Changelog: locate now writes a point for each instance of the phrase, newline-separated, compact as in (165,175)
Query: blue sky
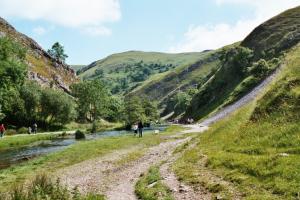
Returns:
(93,29)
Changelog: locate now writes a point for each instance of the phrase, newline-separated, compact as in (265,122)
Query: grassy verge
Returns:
(79,152)
(19,141)
(9,142)
(150,187)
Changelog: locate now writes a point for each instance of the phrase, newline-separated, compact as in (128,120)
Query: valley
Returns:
(216,124)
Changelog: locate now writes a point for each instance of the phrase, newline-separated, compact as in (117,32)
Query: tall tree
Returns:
(92,99)
(57,51)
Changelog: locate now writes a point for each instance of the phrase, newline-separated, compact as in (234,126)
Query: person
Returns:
(29,130)
(140,127)
(34,128)
(2,130)
(135,129)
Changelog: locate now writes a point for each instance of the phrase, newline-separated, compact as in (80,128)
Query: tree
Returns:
(56,107)
(150,110)
(259,69)
(182,101)
(57,51)
(30,92)
(2,115)
(115,109)
(134,110)
(12,64)
(92,99)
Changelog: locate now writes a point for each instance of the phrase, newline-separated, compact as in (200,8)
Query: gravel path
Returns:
(181,191)
(244,100)
(116,182)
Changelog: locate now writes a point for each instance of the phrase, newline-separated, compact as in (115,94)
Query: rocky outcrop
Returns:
(43,68)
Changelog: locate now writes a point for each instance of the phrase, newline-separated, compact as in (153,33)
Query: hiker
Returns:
(140,127)
(135,129)
(34,128)
(29,130)
(2,130)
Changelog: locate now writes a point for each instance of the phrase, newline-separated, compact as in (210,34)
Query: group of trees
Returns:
(23,102)
(140,109)
(94,102)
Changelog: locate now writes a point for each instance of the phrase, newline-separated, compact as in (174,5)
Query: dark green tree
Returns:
(92,99)
(56,107)
(57,51)
(150,110)
(134,110)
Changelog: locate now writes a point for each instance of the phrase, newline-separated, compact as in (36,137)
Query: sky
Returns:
(92,29)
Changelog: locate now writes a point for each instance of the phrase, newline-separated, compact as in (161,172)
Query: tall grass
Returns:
(43,188)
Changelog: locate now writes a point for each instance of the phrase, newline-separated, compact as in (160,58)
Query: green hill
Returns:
(123,72)
(245,66)
(256,148)
(77,67)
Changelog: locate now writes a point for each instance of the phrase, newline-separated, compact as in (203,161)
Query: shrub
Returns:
(22,130)
(10,132)
(79,135)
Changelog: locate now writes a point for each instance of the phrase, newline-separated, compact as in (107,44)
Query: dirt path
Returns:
(181,191)
(103,175)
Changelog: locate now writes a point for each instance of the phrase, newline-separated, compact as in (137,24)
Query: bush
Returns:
(10,132)
(79,135)
(22,130)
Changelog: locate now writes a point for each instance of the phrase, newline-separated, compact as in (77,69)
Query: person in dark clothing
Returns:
(34,128)
(140,127)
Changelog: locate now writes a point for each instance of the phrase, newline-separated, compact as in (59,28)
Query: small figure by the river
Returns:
(34,128)
(135,128)
(29,130)
(140,128)
(2,130)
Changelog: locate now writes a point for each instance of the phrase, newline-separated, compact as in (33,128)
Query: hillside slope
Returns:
(42,67)
(257,147)
(123,72)
(245,66)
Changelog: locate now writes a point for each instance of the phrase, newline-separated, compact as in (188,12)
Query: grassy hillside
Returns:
(77,67)
(256,148)
(123,72)
(42,67)
(164,87)
(275,35)
(244,66)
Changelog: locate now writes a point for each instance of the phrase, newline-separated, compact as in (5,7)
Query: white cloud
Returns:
(203,37)
(39,30)
(68,13)
(96,31)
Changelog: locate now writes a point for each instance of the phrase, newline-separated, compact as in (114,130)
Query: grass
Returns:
(43,188)
(10,142)
(77,153)
(150,187)
(132,156)
(257,148)
(19,141)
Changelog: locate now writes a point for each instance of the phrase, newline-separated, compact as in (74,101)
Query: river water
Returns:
(43,147)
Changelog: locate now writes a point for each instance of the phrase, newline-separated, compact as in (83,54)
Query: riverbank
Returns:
(79,152)
(10,142)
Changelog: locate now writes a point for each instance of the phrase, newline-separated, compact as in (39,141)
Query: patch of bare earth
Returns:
(103,175)
(179,189)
